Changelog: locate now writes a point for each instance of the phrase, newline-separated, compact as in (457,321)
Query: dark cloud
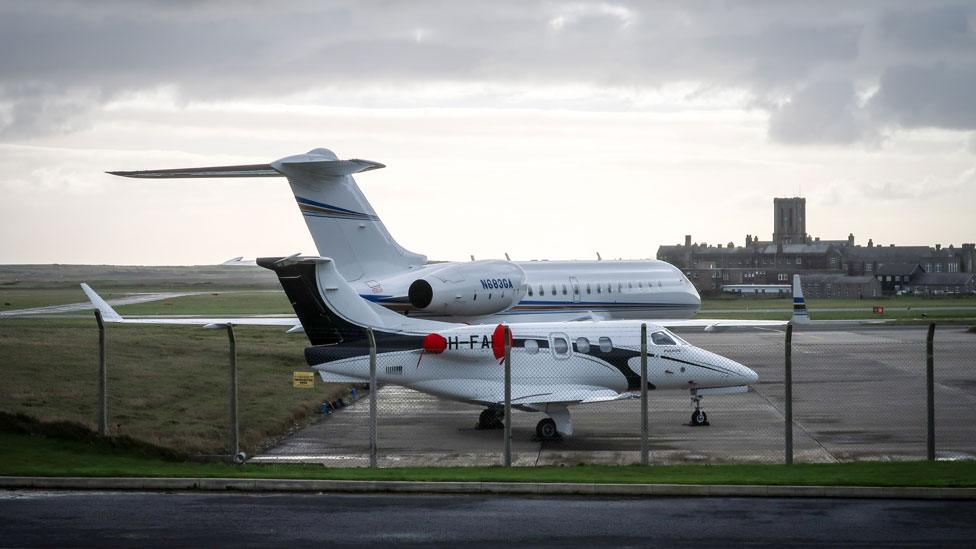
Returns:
(802,61)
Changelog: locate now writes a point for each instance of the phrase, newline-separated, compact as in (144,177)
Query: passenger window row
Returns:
(591,288)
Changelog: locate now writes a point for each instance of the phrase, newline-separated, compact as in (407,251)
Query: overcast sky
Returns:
(541,129)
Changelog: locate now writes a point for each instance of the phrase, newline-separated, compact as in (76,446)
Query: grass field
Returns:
(168,385)
(28,455)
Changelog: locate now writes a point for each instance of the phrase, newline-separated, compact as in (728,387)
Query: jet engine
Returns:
(477,288)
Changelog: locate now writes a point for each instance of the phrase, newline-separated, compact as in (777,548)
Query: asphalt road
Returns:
(76,519)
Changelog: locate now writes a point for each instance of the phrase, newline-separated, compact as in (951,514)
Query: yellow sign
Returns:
(303,380)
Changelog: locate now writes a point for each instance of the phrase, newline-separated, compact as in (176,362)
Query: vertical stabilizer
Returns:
(343,224)
(340,219)
(800,314)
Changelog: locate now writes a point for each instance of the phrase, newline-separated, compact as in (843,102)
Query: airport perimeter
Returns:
(859,393)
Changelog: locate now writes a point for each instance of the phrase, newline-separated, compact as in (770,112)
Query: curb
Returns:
(511,488)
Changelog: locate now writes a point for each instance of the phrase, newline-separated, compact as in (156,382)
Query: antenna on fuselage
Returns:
(598,258)
(472,257)
(506,257)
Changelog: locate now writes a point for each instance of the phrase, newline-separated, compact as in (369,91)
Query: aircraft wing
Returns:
(110,315)
(527,396)
(718,324)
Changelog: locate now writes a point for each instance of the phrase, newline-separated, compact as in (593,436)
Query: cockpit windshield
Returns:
(665,337)
(661,338)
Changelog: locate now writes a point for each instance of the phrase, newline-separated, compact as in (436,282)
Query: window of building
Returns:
(582,345)
(938,267)
(953,267)
(928,267)
(606,345)
(799,261)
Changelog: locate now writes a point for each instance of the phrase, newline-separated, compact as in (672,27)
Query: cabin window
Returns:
(530,291)
(582,345)
(532,346)
(542,291)
(640,285)
(553,289)
(560,346)
(475,298)
(588,289)
(661,338)
(609,288)
(606,345)
(565,291)
(599,289)
(630,285)
(620,287)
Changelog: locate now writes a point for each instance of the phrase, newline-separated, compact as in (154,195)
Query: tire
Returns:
(699,418)
(491,419)
(546,429)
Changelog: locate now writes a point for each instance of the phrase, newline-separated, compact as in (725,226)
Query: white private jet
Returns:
(345,228)
(556,364)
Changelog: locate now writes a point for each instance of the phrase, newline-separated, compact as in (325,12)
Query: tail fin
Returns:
(330,310)
(341,221)
(800,314)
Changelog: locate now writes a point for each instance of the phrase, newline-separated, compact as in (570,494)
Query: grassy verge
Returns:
(167,384)
(28,455)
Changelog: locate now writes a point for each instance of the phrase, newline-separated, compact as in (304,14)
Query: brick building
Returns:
(792,250)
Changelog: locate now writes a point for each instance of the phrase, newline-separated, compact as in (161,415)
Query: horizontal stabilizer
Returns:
(329,377)
(247,170)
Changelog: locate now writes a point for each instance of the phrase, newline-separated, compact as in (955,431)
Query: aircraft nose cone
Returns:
(749,374)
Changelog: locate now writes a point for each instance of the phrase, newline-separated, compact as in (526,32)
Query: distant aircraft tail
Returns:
(800,314)
(341,221)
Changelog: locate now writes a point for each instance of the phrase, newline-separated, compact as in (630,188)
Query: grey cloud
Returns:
(824,112)
(915,97)
(83,54)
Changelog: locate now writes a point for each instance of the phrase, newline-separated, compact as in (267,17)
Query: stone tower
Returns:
(790,220)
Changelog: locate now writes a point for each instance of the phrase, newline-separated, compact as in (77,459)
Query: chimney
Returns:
(731,245)
(748,240)
(850,239)
(891,245)
(938,247)
(720,245)
(817,239)
(687,240)
(870,243)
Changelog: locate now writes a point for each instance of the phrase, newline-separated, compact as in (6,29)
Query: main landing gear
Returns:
(698,417)
(492,417)
(546,430)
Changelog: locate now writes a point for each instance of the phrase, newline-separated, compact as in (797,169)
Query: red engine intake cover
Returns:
(435,343)
(498,341)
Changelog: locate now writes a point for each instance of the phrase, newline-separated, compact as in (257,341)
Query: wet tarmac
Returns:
(858,394)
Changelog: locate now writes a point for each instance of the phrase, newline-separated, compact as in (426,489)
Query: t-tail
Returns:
(341,221)
(800,314)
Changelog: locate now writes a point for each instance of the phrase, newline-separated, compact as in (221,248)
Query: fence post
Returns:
(102,378)
(372,397)
(643,396)
(234,426)
(507,334)
(930,393)
(788,385)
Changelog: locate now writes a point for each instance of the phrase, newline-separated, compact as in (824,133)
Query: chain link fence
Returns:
(858,393)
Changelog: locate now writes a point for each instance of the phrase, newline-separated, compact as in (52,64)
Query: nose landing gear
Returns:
(698,417)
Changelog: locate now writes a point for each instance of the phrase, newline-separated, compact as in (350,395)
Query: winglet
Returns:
(108,313)
(800,314)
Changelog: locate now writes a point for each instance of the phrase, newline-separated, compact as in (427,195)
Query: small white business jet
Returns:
(345,228)
(555,364)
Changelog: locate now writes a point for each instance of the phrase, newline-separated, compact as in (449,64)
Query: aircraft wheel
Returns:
(699,418)
(491,418)
(546,429)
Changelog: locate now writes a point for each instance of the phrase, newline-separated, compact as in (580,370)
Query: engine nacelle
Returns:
(477,288)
